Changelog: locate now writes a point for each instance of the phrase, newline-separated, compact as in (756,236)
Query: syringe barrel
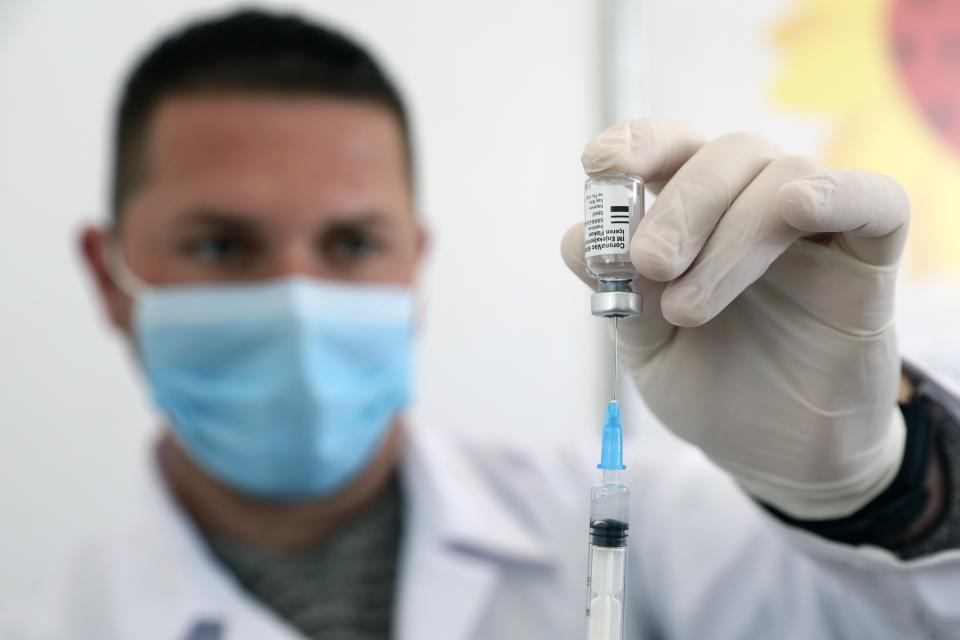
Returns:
(606,587)
(607,564)
(610,506)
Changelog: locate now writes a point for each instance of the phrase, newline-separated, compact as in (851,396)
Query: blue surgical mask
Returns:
(283,390)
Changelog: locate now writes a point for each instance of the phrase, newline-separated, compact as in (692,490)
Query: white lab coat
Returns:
(495,548)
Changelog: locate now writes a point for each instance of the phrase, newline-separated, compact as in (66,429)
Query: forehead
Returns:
(275,151)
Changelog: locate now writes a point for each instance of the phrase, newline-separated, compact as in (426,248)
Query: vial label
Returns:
(606,221)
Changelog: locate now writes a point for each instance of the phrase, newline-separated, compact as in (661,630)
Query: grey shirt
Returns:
(342,590)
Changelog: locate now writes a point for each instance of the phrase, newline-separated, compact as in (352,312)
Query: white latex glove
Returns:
(767,335)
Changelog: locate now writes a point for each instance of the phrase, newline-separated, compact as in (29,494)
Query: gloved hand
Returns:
(767,335)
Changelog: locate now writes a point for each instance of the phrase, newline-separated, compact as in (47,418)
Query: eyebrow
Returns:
(235,220)
(250,222)
(365,218)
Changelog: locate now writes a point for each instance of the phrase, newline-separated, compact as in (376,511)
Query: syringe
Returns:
(609,521)
(613,206)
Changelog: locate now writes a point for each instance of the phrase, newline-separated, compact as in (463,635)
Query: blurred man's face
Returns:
(246,188)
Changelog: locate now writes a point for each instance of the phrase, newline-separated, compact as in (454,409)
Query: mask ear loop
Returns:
(126,280)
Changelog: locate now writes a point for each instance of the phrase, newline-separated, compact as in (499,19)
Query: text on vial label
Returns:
(606,221)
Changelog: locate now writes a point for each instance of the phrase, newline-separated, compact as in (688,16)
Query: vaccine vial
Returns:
(612,208)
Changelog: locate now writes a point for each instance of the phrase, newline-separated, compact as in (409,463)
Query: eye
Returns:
(220,249)
(351,245)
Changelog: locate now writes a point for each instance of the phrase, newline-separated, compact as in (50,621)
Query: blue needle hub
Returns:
(611,456)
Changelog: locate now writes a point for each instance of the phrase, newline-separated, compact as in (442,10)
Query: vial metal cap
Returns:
(613,304)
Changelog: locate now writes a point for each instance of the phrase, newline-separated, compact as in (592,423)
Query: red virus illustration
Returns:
(926,42)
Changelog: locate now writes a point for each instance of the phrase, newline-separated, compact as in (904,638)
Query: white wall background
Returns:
(504,93)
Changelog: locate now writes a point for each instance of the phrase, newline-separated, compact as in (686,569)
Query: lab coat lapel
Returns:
(169,586)
(442,595)
(458,541)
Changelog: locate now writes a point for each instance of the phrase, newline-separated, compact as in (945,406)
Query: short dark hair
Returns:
(248,51)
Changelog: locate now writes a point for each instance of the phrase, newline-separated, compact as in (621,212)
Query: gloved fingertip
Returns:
(572,252)
(806,203)
(654,257)
(571,246)
(686,305)
(608,151)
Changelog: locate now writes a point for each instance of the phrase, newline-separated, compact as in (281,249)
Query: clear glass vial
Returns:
(612,208)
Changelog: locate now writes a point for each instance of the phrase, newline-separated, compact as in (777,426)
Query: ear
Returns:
(423,244)
(93,245)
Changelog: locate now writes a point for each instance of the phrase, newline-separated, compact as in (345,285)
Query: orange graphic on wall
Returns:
(886,74)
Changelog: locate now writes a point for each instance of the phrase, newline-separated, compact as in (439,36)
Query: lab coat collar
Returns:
(459,539)
(170,578)
(447,483)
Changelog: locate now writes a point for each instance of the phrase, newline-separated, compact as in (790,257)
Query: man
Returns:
(260,260)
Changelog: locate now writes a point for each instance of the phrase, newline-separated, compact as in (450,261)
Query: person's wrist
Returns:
(907,508)
(853,484)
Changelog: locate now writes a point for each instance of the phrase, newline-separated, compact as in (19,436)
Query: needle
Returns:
(616,354)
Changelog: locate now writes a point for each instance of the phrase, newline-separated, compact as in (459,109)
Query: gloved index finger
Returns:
(653,149)
(870,210)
